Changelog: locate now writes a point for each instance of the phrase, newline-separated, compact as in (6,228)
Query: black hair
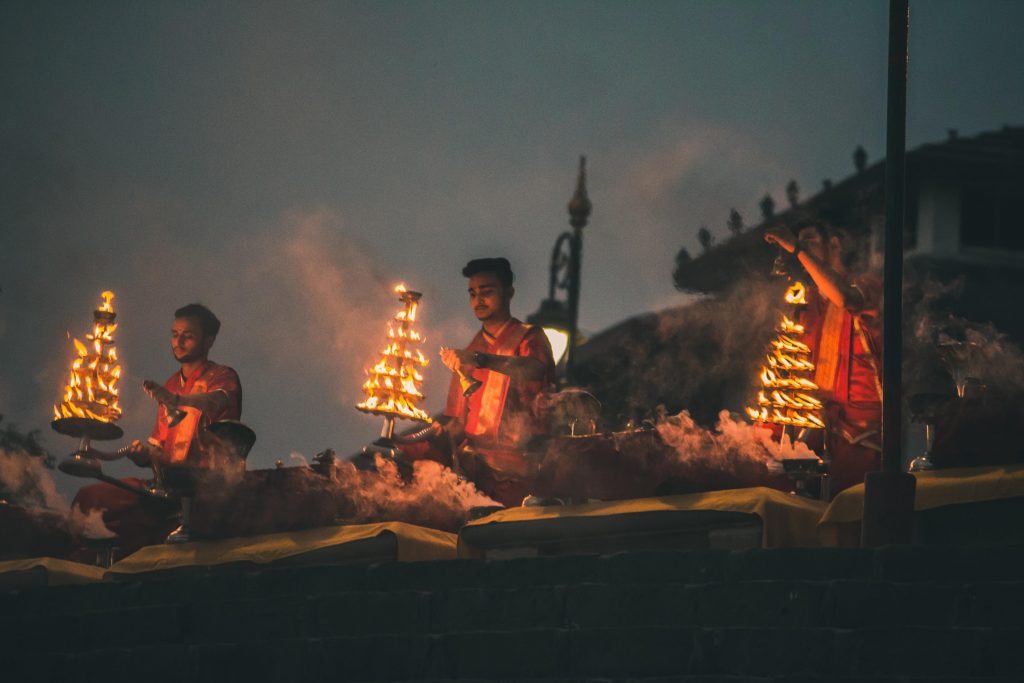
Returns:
(207,320)
(828,230)
(499,266)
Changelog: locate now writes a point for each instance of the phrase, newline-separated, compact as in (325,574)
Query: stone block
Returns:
(810,564)
(487,609)
(950,563)
(371,612)
(543,571)
(32,667)
(241,621)
(916,651)
(599,605)
(764,651)
(664,567)
(1005,652)
(997,604)
(788,604)
(517,655)
(120,628)
(631,652)
(380,658)
(435,575)
(854,604)
(312,580)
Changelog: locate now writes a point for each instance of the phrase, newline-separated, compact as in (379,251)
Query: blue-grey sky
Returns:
(286,163)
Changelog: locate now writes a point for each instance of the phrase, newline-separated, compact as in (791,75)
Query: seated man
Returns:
(514,364)
(201,389)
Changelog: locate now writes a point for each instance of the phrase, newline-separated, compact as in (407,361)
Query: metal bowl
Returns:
(239,437)
(97,430)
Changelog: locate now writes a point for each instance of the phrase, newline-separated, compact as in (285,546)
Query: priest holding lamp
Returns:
(513,363)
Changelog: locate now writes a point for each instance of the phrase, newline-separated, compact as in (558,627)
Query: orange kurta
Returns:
(138,523)
(846,352)
(186,441)
(501,417)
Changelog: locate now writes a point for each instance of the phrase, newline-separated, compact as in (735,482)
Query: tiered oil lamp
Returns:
(393,388)
(90,407)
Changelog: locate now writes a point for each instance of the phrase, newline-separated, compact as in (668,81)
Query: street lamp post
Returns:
(560,318)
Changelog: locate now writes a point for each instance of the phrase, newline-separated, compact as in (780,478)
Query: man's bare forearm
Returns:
(208,402)
(830,284)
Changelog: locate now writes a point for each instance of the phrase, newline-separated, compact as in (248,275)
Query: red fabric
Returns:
(494,461)
(135,523)
(191,432)
(139,523)
(855,383)
(518,419)
(854,405)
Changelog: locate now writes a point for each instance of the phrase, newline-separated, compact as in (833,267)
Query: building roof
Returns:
(852,202)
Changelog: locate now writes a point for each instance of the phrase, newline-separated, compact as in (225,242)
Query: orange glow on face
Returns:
(91,390)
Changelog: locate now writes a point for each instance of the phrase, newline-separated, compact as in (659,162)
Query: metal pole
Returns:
(895,171)
(889,494)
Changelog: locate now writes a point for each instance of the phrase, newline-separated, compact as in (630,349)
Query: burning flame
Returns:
(786,396)
(91,391)
(393,386)
(796,294)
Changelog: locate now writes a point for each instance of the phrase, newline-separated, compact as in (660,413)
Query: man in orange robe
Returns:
(843,324)
(206,392)
(514,364)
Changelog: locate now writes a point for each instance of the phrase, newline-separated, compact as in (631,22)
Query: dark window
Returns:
(987,220)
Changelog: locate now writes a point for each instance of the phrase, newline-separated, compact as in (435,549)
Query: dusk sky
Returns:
(288,163)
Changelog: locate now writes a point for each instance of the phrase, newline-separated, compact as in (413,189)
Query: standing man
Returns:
(514,364)
(844,325)
(199,393)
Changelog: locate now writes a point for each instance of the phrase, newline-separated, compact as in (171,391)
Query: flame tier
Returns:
(393,386)
(787,386)
(91,391)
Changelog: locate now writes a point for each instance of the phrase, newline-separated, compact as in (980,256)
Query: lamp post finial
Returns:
(579,205)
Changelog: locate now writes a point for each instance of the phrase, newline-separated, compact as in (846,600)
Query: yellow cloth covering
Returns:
(57,571)
(788,520)
(840,524)
(413,543)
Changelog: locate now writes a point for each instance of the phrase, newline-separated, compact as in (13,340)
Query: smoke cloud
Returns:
(703,357)
(88,525)
(946,351)
(26,482)
(730,445)
(430,495)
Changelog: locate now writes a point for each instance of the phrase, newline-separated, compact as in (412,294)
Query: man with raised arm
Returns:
(844,325)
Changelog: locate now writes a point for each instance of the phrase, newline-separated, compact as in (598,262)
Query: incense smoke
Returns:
(731,444)
(25,481)
(945,351)
(431,496)
(88,525)
(703,357)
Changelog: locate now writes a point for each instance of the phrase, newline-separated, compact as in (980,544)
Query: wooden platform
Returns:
(361,543)
(724,520)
